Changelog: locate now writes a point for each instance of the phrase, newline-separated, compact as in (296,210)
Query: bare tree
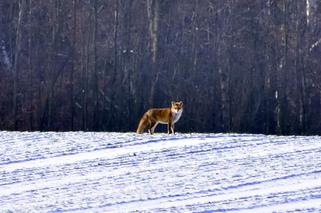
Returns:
(240,65)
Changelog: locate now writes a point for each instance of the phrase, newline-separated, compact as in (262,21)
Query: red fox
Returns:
(155,116)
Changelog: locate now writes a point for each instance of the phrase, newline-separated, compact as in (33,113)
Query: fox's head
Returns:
(177,106)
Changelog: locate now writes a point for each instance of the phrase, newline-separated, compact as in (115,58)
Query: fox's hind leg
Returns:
(153,128)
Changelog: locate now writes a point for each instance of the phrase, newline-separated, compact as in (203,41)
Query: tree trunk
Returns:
(71,77)
(30,69)
(95,73)
(22,4)
(282,83)
(153,16)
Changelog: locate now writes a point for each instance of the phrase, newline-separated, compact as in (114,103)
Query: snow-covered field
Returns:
(124,172)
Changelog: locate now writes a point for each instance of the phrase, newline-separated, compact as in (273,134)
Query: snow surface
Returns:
(126,172)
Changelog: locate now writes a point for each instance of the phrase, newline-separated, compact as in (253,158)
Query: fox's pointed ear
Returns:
(173,102)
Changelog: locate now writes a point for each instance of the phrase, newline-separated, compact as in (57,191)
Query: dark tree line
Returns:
(238,65)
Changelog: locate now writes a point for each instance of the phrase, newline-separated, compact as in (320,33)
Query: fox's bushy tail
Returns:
(142,125)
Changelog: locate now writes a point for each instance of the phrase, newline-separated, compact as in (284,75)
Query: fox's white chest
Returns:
(177,115)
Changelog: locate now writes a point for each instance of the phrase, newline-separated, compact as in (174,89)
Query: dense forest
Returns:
(97,65)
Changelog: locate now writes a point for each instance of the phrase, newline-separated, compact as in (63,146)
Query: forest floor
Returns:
(126,172)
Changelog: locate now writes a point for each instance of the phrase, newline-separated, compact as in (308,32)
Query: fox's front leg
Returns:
(170,128)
